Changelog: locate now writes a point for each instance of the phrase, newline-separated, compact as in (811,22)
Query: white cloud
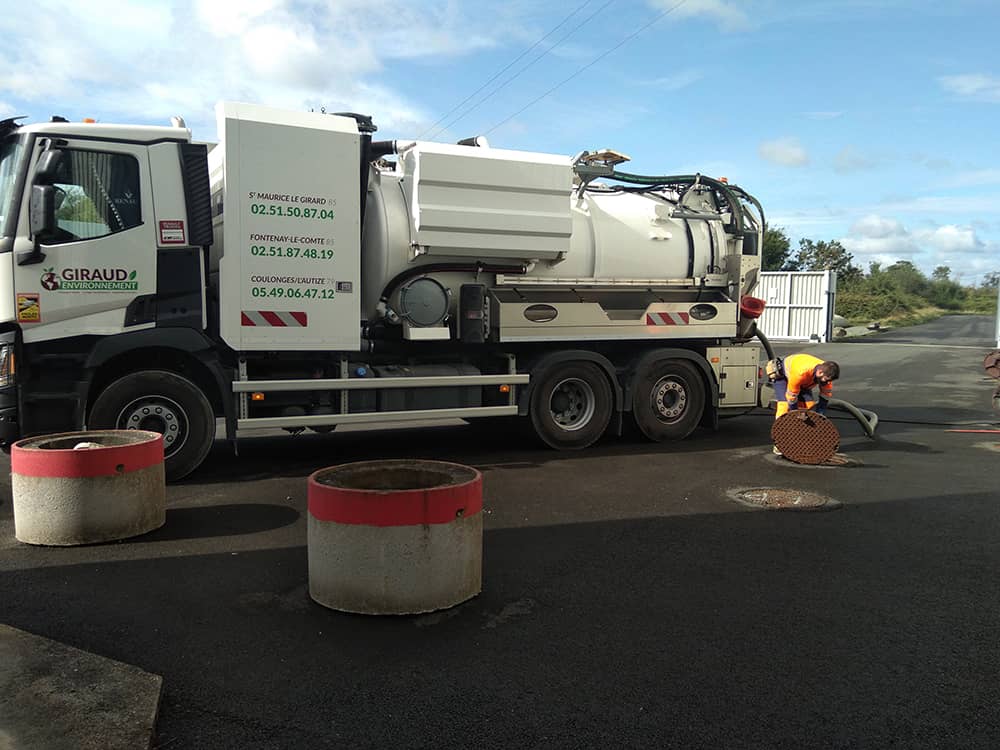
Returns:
(727,14)
(874,226)
(938,205)
(850,159)
(974,178)
(6,110)
(885,240)
(822,115)
(147,60)
(787,152)
(224,18)
(949,238)
(880,239)
(676,81)
(976,86)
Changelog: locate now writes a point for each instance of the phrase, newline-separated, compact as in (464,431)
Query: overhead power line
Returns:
(593,62)
(507,67)
(518,74)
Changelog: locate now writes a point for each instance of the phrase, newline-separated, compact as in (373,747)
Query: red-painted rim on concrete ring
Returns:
(26,459)
(406,507)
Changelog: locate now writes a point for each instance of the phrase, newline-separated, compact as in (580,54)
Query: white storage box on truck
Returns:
(299,275)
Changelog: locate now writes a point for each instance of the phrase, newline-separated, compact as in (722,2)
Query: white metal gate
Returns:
(799,304)
(998,319)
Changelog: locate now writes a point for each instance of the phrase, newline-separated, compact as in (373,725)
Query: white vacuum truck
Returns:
(298,275)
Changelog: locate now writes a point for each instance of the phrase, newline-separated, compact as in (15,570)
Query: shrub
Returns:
(946,294)
(860,304)
(981,301)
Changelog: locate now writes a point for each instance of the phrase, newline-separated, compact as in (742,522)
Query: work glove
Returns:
(821,406)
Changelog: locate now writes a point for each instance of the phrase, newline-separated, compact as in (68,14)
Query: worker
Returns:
(793,387)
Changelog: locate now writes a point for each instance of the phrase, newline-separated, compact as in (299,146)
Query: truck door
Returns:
(102,253)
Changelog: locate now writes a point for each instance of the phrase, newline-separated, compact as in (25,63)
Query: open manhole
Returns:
(837,460)
(778,498)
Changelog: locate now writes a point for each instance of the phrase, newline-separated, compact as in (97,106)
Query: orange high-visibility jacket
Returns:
(800,372)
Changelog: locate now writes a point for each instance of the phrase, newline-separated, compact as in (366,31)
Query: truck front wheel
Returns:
(162,402)
(668,399)
(571,405)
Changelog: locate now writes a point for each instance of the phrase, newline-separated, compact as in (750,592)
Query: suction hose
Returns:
(867,419)
(763,340)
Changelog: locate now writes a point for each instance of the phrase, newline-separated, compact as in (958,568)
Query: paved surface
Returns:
(628,601)
(54,697)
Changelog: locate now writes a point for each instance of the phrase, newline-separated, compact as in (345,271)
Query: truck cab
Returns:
(95,267)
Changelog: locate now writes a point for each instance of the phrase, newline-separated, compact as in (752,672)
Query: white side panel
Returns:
(7,287)
(998,318)
(485,202)
(799,304)
(589,321)
(291,268)
(169,206)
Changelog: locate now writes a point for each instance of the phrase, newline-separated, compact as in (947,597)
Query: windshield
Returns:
(11,152)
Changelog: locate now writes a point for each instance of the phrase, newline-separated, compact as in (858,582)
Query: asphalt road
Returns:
(628,601)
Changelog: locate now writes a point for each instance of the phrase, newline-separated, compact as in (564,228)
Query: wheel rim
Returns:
(572,404)
(157,414)
(668,399)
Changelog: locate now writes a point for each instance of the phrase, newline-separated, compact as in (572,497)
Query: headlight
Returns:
(6,365)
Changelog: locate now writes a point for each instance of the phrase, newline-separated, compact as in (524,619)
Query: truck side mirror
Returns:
(48,165)
(42,209)
(42,213)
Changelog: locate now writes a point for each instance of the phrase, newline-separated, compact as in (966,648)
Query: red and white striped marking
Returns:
(667,319)
(275,318)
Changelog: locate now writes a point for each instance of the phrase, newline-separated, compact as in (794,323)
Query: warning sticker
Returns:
(29,308)
(172,232)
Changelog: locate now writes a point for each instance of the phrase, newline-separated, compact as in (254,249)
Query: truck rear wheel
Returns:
(571,406)
(668,399)
(163,402)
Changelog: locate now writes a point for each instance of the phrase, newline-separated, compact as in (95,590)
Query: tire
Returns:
(668,399)
(571,406)
(163,402)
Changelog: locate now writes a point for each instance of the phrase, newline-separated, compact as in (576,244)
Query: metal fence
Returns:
(799,304)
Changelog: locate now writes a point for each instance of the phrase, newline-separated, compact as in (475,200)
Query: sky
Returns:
(871,122)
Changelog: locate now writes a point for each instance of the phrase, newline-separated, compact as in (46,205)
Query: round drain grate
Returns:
(805,437)
(774,498)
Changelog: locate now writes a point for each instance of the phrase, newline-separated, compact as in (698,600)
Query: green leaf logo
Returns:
(131,276)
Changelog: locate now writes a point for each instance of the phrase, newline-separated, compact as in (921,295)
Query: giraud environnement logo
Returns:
(90,280)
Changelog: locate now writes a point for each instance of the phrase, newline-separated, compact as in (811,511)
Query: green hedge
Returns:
(863,305)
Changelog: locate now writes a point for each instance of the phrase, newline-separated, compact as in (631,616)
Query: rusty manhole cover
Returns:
(805,437)
(776,498)
(992,364)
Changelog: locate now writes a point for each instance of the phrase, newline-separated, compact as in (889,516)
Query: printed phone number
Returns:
(291,292)
(262,209)
(274,251)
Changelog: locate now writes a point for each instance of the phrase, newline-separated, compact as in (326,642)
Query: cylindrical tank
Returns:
(622,235)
